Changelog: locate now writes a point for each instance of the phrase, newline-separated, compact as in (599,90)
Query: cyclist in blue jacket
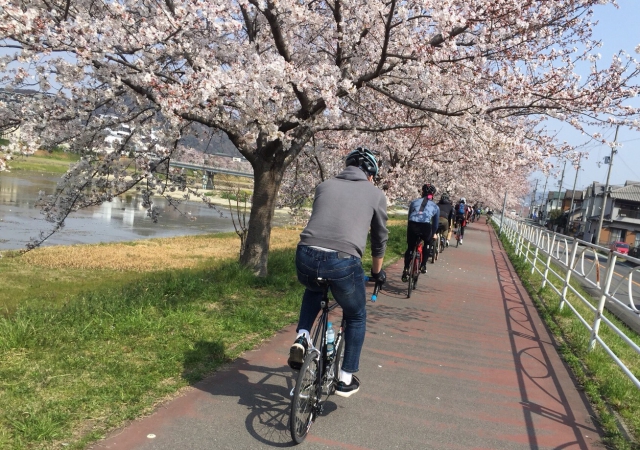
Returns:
(424,218)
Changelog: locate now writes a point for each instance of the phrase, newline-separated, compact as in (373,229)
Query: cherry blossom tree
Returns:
(435,84)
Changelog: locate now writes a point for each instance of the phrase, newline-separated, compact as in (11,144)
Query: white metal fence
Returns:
(586,262)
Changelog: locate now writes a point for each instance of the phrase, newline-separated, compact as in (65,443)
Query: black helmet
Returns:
(428,189)
(444,196)
(363,158)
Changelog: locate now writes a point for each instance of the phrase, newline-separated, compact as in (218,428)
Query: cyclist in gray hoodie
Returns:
(331,246)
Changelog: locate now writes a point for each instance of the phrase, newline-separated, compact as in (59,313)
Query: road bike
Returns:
(414,267)
(435,248)
(442,243)
(318,376)
(456,232)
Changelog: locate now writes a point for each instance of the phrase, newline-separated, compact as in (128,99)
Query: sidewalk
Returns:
(466,363)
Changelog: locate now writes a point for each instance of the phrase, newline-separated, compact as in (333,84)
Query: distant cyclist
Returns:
(446,216)
(331,246)
(423,222)
(462,216)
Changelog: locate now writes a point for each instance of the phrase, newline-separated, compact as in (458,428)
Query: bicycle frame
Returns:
(414,267)
(319,340)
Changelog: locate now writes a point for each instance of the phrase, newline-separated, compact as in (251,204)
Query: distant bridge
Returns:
(209,172)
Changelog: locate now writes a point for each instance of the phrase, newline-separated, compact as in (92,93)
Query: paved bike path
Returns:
(465,363)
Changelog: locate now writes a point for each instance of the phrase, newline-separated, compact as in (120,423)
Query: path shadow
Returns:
(265,394)
(521,324)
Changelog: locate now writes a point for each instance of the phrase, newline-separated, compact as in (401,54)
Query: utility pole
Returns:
(561,182)
(533,199)
(543,199)
(606,187)
(573,192)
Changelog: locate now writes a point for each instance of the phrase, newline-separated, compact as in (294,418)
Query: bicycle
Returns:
(435,248)
(458,231)
(443,243)
(318,376)
(414,266)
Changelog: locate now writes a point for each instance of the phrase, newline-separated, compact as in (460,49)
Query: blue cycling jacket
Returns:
(431,213)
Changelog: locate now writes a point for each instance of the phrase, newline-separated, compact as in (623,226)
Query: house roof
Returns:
(554,195)
(630,193)
(577,196)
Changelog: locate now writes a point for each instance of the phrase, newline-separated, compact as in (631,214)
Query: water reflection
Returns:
(123,219)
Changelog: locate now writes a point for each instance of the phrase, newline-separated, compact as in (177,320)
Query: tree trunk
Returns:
(267,179)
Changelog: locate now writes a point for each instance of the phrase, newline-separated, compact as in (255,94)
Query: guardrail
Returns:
(585,261)
(212,169)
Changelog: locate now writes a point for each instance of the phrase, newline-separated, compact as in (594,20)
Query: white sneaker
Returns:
(460,241)
(447,242)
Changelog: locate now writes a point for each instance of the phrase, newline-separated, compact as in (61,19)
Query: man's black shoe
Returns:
(423,269)
(347,390)
(297,352)
(405,275)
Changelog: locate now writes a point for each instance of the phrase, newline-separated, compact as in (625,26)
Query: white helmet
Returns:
(462,200)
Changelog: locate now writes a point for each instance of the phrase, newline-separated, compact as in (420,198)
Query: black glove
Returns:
(380,277)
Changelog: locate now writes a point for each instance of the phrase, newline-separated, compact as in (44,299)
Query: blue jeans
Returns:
(347,287)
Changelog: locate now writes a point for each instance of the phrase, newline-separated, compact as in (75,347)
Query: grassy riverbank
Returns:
(55,162)
(93,336)
(612,395)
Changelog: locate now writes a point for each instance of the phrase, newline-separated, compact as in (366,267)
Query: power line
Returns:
(629,166)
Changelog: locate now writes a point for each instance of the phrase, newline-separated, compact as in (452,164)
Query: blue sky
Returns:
(618,29)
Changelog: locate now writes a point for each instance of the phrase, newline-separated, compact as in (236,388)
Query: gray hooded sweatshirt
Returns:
(344,209)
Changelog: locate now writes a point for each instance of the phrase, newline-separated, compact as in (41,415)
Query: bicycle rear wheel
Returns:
(434,251)
(412,273)
(305,398)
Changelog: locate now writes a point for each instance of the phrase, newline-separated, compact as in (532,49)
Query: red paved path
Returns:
(466,363)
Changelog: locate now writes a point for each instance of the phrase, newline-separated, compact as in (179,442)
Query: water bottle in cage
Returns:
(331,337)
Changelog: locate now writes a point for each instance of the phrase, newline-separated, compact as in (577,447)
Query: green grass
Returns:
(71,371)
(19,284)
(56,161)
(241,196)
(610,391)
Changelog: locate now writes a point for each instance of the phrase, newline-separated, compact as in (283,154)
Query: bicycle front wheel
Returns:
(337,365)
(305,398)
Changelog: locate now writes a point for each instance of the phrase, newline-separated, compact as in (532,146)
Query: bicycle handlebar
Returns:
(376,288)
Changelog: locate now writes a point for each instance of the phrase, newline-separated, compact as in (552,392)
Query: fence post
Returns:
(567,278)
(518,237)
(537,243)
(535,260)
(546,266)
(603,299)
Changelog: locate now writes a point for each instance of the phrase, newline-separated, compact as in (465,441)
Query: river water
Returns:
(124,219)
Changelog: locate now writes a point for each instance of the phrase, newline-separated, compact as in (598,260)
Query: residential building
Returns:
(574,214)
(621,220)
(551,203)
